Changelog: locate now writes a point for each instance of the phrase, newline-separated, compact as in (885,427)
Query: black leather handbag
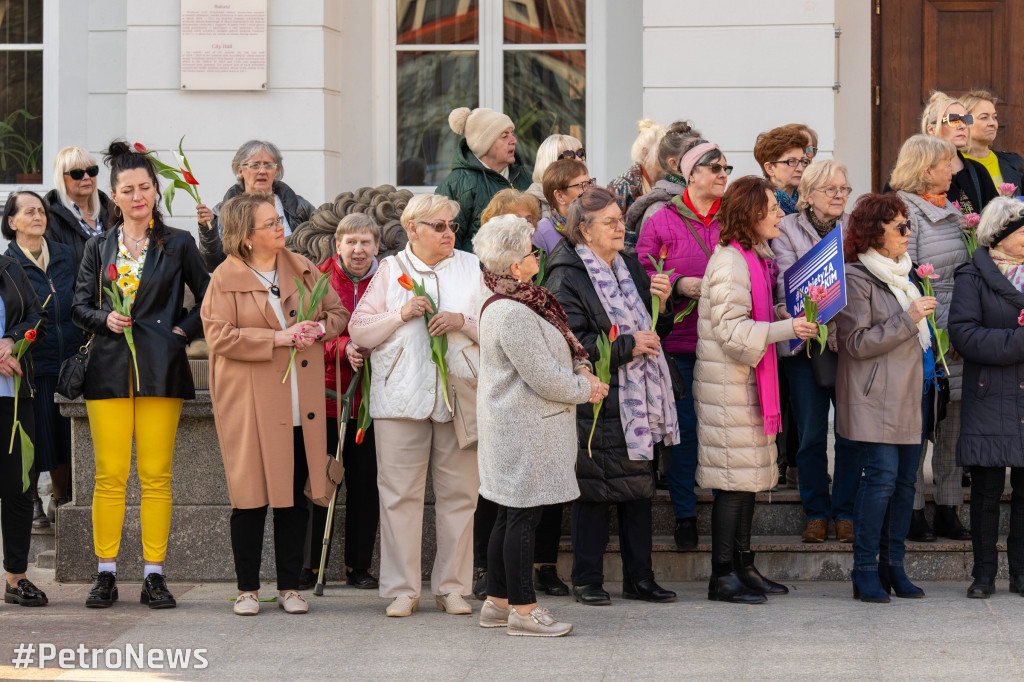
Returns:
(71,380)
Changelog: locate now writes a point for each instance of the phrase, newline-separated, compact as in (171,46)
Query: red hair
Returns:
(865,230)
(742,208)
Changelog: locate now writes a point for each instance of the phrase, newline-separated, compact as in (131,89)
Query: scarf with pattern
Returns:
(786,202)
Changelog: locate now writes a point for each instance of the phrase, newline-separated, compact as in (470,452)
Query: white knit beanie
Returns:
(480,126)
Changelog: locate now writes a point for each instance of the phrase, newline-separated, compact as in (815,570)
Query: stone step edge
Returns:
(787,543)
(47,559)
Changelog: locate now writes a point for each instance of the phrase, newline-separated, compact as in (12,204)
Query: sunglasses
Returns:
(903,228)
(957,120)
(580,154)
(79,173)
(717,168)
(441,225)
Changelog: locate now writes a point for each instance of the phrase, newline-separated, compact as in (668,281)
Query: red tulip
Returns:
(112,272)
(405,282)
(188,177)
(663,254)
(140,148)
(359,437)
(30,335)
(614,333)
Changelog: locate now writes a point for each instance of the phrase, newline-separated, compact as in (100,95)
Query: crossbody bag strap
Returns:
(700,240)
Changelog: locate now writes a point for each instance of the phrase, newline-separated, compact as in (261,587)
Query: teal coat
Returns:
(473,185)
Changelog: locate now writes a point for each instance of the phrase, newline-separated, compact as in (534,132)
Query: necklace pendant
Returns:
(275,290)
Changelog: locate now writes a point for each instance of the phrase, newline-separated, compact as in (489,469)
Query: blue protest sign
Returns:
(822,265)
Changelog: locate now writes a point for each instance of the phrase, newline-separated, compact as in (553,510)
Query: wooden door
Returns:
(950,45)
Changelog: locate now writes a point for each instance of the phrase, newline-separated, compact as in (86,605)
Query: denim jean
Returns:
(810,403)
(683,470)
(510,555)
(885,500)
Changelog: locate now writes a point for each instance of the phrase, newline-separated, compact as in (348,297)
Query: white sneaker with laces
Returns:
(540,623)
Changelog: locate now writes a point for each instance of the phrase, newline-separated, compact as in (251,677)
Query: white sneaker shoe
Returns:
(453,603)
(493,616)
(292,602)
(246,604)
(402,606)
(540,623)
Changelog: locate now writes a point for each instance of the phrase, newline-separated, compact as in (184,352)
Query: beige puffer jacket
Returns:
(733,451)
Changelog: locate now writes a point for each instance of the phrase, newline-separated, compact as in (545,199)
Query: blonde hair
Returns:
(919,153)
(510,201)
(75,157)
(936,107)
(975,97)
(549,150)
(354,223)
(502,241)
(645,147)
(425,205)
(238,218)
(818,175)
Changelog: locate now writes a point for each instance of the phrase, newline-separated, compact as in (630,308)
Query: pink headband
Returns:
(691,157)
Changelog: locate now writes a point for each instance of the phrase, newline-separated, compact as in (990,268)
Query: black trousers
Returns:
(510,554)
(986,489)
(549,532)
(590,539)
(362,503)
(289,531)
(483,523)
(732,514)
(15,505)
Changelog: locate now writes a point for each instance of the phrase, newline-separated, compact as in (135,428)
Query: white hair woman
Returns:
(553,148)
(414,428)
(78,209)
(532,371)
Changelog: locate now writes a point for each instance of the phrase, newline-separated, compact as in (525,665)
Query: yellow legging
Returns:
(154,422)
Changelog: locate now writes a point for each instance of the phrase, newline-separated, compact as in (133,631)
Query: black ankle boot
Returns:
(947,524)
(920,531)
(752,578)
(726,586)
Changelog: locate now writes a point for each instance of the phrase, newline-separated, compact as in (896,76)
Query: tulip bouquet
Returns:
(180,177)
(307,310)
(364,419)
(122,305)
(659,265)
(438,344)
(28,450)
(927,273)
(815,294)
(602,369)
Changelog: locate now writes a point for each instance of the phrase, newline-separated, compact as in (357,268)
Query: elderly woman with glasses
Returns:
(687,230)
(78,209)
(553,148)
(258,167)
(564,180)
(922,177)
(605,292)
(412,420)
(533,371)
(984,325)
(823,194)
(782,155)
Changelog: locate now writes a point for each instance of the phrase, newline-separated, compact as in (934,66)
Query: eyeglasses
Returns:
(610,222)
(811,151)
(580,154)
(279,222)
(535,253)
(831,192)
(255,166)
(903,228)
(717,168)
(79,173)
(958,120)
(584,186)
(441,225)
(793,163)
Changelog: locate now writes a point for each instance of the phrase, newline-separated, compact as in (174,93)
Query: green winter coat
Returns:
(473,185)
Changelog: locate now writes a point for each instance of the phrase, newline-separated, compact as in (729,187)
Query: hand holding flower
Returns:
(663,289)
(927,273)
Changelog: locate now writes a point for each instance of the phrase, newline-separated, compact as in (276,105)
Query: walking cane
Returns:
(345,403)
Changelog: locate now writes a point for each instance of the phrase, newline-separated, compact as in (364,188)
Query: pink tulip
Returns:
(817,292)
(956,205)
(1007,189)
(972,220)
(1020,318)
(926,271)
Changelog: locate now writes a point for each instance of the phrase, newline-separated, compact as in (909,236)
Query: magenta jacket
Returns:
(685,255)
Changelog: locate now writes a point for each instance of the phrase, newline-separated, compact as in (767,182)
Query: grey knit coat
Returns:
(526,415)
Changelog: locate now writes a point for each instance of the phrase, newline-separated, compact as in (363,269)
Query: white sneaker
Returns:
(540,623)
(246,604)
(292,602)
(493,616)
(453,603)
(402,606)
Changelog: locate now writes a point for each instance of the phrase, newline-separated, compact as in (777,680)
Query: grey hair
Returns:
(249,149)
(354,223)
(502,241)
(997,214)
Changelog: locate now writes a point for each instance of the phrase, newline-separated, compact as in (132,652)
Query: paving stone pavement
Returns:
(817,632)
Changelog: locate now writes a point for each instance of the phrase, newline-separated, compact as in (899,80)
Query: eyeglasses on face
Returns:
(958,120)
(717,168)
(831,192)
(79,173)
(277,222)
(793,163)
(903,228)
(256,165)
(442,225)
(584,186)
(580,154)
(608,222)
(535,253)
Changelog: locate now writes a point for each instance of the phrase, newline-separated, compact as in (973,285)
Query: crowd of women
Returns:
(536,345)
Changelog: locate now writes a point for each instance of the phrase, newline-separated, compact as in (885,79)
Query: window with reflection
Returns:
(21,91)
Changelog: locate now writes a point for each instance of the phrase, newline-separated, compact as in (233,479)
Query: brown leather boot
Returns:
(844,531)
(815,531)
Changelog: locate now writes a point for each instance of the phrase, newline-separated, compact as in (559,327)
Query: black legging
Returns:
(731,516)
(548,533)
(986,490)
(15,505)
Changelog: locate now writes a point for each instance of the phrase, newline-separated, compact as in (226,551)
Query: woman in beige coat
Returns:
(736,388)
(269,451)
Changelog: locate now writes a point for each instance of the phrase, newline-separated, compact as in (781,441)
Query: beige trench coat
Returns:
(250,404)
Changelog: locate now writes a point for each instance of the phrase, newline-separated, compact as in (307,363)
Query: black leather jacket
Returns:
(158,308)
(22,311)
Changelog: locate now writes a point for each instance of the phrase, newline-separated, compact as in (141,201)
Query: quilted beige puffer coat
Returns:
(733,451)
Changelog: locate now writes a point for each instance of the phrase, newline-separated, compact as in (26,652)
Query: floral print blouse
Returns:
(129,268)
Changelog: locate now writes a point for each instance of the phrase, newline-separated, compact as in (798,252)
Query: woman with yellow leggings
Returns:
(150,264)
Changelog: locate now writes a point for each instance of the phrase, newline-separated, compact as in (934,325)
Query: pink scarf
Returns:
(767,371)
